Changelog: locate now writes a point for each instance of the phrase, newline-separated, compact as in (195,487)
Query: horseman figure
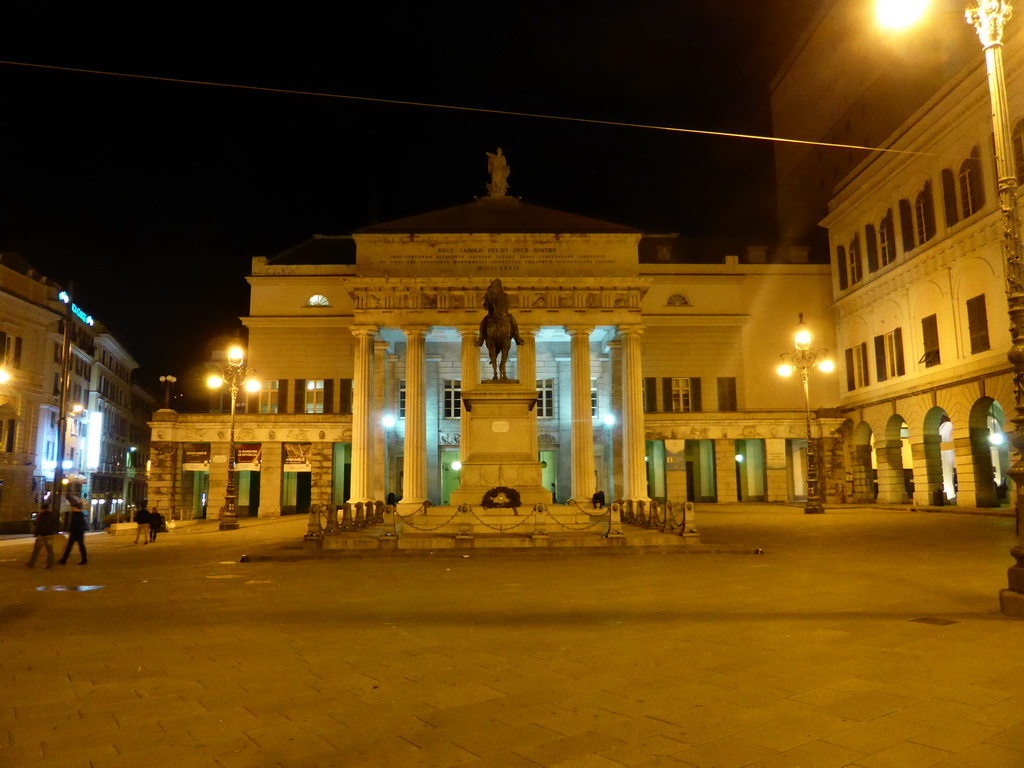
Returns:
(498,329)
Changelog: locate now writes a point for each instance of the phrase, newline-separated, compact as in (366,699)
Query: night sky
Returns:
(152,197)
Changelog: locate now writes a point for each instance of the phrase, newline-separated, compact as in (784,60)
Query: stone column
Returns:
(271,466)
(634,468)
(777,483)
(362,409)
(415,466)
(927,469)
(725,470)
(963,457)
(470,379)
(582,417)
(891,489)
(219,459)
(321,461)
(380,355)
(615,443)
(526,369)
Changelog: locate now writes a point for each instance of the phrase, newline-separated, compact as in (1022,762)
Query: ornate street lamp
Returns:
(988,19)
(803,358)
(235,374)
(168,382)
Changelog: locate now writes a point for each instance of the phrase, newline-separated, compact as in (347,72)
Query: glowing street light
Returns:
(235,374)
(899,14)
(802,359)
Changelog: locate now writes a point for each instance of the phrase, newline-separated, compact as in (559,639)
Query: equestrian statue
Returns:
(498,329)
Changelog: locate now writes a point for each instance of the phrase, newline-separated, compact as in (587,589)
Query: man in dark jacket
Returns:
(142,521)
(46,527)
(76,533)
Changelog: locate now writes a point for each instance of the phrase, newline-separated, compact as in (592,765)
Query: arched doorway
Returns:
(934,462)
(990,458)
(895,463)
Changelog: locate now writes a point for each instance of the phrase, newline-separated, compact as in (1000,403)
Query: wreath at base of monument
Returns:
(501,496)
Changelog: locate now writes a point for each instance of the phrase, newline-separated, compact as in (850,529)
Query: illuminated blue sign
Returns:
(76,310)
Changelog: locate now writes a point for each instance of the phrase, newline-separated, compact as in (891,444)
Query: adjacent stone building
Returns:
(104,459)
(914,233)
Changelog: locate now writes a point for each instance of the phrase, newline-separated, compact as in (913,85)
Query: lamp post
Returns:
(168,382)
(235,374)
(803,358)
(989,18)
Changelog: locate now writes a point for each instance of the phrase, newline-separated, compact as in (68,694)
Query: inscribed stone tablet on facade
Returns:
(487,255)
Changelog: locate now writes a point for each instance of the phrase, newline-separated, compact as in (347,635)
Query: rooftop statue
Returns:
(498,329)
(497,166)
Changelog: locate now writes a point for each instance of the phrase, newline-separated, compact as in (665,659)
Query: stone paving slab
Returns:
(806,656)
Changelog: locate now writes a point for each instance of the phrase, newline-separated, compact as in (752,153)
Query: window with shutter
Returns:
(727,393)
(650,394)
(977,324)
(930,339)
(871,247)
(907,226)
(880,369)
(949,197)
(328,395)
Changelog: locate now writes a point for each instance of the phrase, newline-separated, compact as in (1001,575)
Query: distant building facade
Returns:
(96,463)
(654,378)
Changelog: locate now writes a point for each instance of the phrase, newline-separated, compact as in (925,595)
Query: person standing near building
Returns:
(76,533)
(156,524)
(46,527)
(142,521)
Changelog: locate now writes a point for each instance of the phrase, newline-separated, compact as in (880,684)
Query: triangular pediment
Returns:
(497,215)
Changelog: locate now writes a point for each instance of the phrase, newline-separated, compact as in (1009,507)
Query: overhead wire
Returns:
(462,108)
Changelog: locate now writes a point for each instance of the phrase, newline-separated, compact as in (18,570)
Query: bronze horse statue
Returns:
(498,329)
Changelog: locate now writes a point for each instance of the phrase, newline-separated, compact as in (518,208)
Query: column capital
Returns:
(529,330)
(416,331)
(631,330)
(467,330)
(363,330)
(381,345)
(579,330)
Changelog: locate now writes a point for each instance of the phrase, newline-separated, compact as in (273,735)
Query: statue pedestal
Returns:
(500,449)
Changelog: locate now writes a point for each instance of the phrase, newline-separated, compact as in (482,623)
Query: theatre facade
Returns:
(653,377)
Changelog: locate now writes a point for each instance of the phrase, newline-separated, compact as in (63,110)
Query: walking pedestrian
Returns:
(46,527)
(142,521)
(156,524)
(76,533)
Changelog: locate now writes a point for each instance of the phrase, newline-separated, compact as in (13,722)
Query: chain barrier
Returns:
(675,517)
(584,526)
(423,508)
(501,528)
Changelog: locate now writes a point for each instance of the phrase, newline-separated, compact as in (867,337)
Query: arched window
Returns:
(972,195)
(678,300)
(856,270)
(887,240)
(924,215)
(317,300)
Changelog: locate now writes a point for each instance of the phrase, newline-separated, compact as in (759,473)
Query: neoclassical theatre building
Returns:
(654,377)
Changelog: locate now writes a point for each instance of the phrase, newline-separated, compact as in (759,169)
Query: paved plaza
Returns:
(862,637)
